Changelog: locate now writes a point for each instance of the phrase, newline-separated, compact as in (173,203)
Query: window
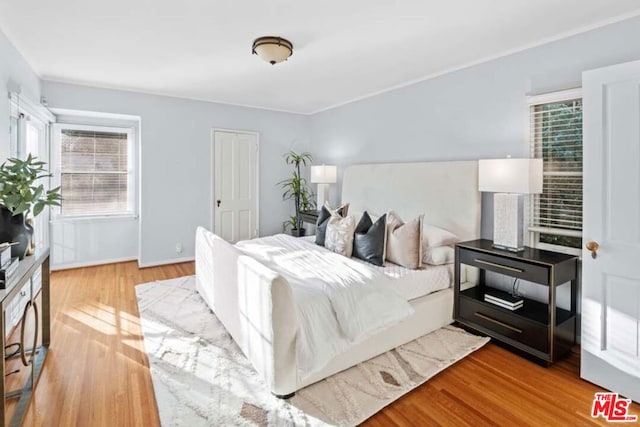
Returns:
(556,137)
(95,170)
(29,134)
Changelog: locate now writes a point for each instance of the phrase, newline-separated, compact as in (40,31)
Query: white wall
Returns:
(175,162)
(15,70)
(76,243)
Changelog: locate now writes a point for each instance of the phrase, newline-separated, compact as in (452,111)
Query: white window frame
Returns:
(532,237)
(56,162)
(24,112)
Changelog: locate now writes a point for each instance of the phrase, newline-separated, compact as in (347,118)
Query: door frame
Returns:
(212,174)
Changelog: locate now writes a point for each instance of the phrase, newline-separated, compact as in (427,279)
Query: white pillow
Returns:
(433,237)
(439,255)
(339,236)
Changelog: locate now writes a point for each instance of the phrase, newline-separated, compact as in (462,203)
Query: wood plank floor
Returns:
(97,371)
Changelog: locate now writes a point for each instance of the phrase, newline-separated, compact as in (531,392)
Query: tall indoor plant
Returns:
(296,189)
(20,195)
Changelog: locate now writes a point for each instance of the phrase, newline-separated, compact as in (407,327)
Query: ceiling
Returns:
(343,50)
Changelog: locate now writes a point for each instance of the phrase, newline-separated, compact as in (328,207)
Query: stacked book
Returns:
(8,265)
(503,299)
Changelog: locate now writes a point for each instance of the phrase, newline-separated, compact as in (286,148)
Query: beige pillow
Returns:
(339,237)
(404,241)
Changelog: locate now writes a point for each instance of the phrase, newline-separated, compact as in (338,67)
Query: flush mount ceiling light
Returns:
(272,49)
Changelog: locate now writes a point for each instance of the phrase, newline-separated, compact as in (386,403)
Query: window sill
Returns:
(92,218)
(556,248)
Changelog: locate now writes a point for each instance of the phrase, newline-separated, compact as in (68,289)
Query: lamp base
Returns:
(506,248)
(323,195)
(508,218)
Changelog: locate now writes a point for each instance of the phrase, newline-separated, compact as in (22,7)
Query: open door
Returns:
(611,263)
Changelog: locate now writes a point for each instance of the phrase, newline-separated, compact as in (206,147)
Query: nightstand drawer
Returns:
(504,323)
(504,265)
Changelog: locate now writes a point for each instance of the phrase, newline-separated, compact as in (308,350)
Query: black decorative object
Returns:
(14,229)
(369,239)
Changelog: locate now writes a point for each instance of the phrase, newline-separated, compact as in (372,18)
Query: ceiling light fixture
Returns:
(272,49)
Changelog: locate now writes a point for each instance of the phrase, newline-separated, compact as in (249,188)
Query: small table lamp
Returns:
(323,176)
(509,179)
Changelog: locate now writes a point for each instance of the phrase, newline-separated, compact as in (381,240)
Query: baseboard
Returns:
(70,266)
(165,262)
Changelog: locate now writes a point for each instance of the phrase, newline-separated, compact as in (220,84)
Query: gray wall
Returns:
(478,112)
(176,155)
(13,69)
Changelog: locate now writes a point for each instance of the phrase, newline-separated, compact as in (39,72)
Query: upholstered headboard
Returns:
(445,192)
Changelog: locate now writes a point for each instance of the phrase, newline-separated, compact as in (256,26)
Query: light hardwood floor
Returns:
(97,371)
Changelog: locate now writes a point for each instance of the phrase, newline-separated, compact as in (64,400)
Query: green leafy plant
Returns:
(296,188)
(291,222)
(19,190)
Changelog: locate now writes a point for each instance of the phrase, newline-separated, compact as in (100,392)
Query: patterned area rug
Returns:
(201,378)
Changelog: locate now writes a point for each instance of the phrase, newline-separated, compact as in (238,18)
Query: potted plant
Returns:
(296,189)
(21,195)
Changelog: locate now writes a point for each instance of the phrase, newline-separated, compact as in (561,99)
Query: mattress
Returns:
(414,283)
(418,283)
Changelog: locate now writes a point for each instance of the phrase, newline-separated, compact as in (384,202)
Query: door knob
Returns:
(218,202)
(593,247)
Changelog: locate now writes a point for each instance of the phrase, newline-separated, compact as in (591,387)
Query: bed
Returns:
(257,304)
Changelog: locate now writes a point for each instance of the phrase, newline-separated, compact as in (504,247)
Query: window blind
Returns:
(94,172)
(556,137)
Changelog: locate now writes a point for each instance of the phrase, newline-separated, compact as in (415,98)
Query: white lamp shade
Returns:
(324,174)
(521,176)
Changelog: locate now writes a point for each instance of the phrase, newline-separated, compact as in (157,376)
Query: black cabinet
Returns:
(541,330)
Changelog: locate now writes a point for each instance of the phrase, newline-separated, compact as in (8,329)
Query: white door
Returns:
(611,281)
(235,173)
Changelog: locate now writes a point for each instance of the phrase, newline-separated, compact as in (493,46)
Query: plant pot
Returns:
(14,229)
(298,232)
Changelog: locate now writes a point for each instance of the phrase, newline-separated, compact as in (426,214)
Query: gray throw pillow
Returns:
(369,239)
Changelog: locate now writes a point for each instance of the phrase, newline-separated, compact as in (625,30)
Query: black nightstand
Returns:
(309,216)
(541,330)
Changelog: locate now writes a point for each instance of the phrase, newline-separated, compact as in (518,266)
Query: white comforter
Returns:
(339,301)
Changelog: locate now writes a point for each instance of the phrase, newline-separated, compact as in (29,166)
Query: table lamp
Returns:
(510,179)
(323,175)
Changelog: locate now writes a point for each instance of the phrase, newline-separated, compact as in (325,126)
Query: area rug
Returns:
(201,378)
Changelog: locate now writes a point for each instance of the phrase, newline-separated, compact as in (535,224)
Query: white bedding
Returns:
(339,301)
(417,283)
(414,283)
